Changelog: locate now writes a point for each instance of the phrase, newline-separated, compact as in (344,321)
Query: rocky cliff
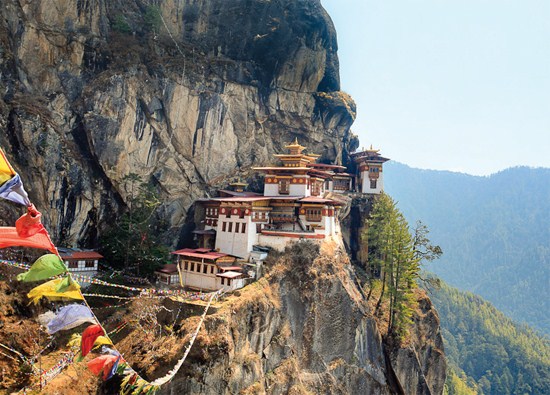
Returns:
(186,94)
(306,328)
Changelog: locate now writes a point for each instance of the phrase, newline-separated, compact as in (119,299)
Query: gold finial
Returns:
(371,149)
(295,148)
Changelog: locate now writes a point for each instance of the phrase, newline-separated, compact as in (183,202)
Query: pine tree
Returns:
(391,249)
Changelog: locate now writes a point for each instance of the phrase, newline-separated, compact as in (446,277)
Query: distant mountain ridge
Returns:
(494,231)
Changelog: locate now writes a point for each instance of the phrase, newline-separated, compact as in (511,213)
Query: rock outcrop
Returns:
(304,328)
(185,94)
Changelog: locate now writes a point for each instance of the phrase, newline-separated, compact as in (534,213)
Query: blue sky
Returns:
(460,85)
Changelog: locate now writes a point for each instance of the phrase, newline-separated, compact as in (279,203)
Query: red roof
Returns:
(286,197)
(320,173)
(241,199)
(168,268)
(80,255)
(313,199)
(200,253)
(241,194)
(281,168)
(325,165)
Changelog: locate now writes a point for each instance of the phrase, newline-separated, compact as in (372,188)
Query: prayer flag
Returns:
(46,317)
(89,337)
(46,266)
(113,370)
(75,340)
(6,171)
(69,317)
(11,186)
(30,223)
(10,238)
(50,290)
(102,341)
(67,284)
(105,364)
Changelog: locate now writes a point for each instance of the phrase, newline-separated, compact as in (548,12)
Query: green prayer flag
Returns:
(46,266)
(67,284)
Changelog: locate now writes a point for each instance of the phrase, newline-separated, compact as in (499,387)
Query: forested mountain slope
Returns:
(500,356)
(494,231)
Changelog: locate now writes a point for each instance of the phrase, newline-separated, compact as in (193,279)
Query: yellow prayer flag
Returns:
(50,290)
(6,171)
(102,341)
(75,340)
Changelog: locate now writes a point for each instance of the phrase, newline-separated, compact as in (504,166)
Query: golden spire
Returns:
(373,150)
(295,148)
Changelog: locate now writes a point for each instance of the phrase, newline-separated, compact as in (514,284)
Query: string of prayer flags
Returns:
(56,289)
(49,265)
(70,317)
(89,337)
(11,186)
(170,375)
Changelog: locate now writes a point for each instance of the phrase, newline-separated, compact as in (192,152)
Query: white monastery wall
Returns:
(271,190)
(366,183)
(299,190)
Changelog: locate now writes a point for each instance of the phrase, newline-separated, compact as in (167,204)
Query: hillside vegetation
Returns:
(494,232)
(497,355)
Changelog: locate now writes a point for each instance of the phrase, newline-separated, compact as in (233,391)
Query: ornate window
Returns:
(313,214)
(284,187)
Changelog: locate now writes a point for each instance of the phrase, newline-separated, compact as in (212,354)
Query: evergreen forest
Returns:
(486,351)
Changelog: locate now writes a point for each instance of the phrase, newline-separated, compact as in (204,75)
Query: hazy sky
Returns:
(459,85)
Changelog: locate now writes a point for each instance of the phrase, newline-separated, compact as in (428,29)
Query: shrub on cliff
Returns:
(133,243)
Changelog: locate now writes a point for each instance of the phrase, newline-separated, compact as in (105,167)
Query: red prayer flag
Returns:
(28,232)
(103,364)
(89,336)
(29,224)
(10,238)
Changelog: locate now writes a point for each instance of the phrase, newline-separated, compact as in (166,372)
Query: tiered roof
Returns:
(369,155)
(295,160)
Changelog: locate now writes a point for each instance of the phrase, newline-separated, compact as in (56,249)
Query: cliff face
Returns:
(186,94)
(305,328)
